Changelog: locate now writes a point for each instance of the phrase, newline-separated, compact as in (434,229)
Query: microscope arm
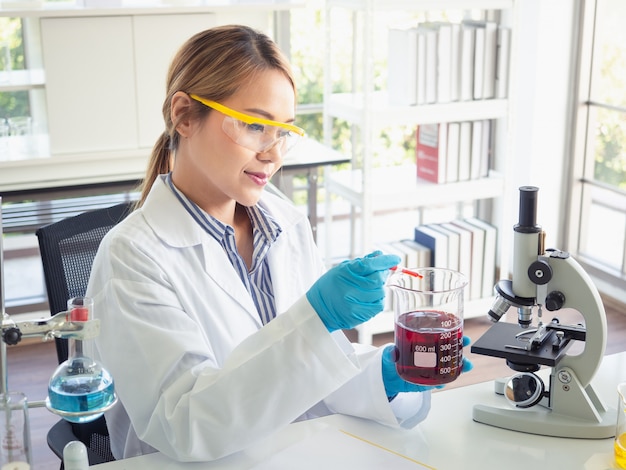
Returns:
(580,294)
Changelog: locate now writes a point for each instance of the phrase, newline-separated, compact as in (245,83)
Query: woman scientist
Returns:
(218,323)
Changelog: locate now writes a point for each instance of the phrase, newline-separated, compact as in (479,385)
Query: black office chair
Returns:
(68,248)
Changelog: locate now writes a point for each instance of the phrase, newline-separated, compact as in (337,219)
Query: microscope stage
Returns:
(496,339)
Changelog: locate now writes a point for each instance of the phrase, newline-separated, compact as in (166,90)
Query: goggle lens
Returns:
(259,138)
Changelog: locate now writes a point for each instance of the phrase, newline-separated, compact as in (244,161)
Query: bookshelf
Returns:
(372,186)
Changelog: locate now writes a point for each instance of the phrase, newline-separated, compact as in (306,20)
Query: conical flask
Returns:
(80,389)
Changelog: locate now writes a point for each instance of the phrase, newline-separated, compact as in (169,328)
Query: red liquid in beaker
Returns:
(429,347)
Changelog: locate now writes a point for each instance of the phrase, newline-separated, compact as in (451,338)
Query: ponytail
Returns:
(160,163)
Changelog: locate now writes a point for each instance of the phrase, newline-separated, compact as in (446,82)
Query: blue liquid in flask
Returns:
(87,391)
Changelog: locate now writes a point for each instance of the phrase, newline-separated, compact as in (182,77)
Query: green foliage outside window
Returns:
(610,156)
(13,103)
(308,59)
(610,151)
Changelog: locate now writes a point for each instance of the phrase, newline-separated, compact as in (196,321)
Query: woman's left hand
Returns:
(394,384)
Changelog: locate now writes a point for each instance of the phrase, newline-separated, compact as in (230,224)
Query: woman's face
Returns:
(212,169)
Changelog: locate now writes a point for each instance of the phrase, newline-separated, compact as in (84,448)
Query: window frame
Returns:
(581,182)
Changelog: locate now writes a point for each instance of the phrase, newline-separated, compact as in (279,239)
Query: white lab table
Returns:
(448,439)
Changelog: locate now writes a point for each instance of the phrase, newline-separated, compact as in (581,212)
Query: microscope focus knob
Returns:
(11,336)
(555,300)
(540,272)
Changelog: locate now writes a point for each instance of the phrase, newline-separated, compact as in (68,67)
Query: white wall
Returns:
(541,82)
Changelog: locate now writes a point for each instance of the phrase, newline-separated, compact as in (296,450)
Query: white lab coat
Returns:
(197,375)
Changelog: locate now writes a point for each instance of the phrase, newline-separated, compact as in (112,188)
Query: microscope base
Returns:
(576,411)
(545,422)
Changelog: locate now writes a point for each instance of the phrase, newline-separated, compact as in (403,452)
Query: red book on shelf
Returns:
(431,152)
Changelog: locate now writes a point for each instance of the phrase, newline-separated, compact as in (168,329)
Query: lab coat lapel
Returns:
(283,276)
(223,276)
(176,227)
(293,259)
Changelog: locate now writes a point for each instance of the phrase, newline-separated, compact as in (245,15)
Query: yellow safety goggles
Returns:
(254,133)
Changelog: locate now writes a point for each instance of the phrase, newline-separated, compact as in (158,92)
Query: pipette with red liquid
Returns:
(407,271)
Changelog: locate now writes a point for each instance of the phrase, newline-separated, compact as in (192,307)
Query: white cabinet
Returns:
(370,188)
(90,83)
(105,91)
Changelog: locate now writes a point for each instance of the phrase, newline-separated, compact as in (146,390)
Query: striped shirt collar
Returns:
(261,220)
(265,229)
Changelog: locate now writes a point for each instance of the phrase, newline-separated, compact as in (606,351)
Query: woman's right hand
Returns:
(352,292)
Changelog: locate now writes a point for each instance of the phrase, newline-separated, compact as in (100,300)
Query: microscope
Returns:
(546,279)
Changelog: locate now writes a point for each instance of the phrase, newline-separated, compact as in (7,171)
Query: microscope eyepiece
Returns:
(528,210)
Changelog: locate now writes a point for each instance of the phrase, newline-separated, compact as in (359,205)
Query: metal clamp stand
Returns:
(57,326)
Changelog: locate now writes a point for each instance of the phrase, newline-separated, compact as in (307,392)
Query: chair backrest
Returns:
(67,249)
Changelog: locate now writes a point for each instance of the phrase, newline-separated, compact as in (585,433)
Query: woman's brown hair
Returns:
(213,64)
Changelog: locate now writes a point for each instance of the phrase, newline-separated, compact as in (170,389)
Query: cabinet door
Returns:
(90,84)
(156,39)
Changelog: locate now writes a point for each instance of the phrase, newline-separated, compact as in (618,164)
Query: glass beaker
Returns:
(14,432)
(4,134)
(428,324)
(620,430)
(21,131)
(20,125)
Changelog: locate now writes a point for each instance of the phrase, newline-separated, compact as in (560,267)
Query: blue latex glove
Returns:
(394,384)
(353,291)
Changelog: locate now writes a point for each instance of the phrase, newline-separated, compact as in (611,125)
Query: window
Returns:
(598,205)
(307,59)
